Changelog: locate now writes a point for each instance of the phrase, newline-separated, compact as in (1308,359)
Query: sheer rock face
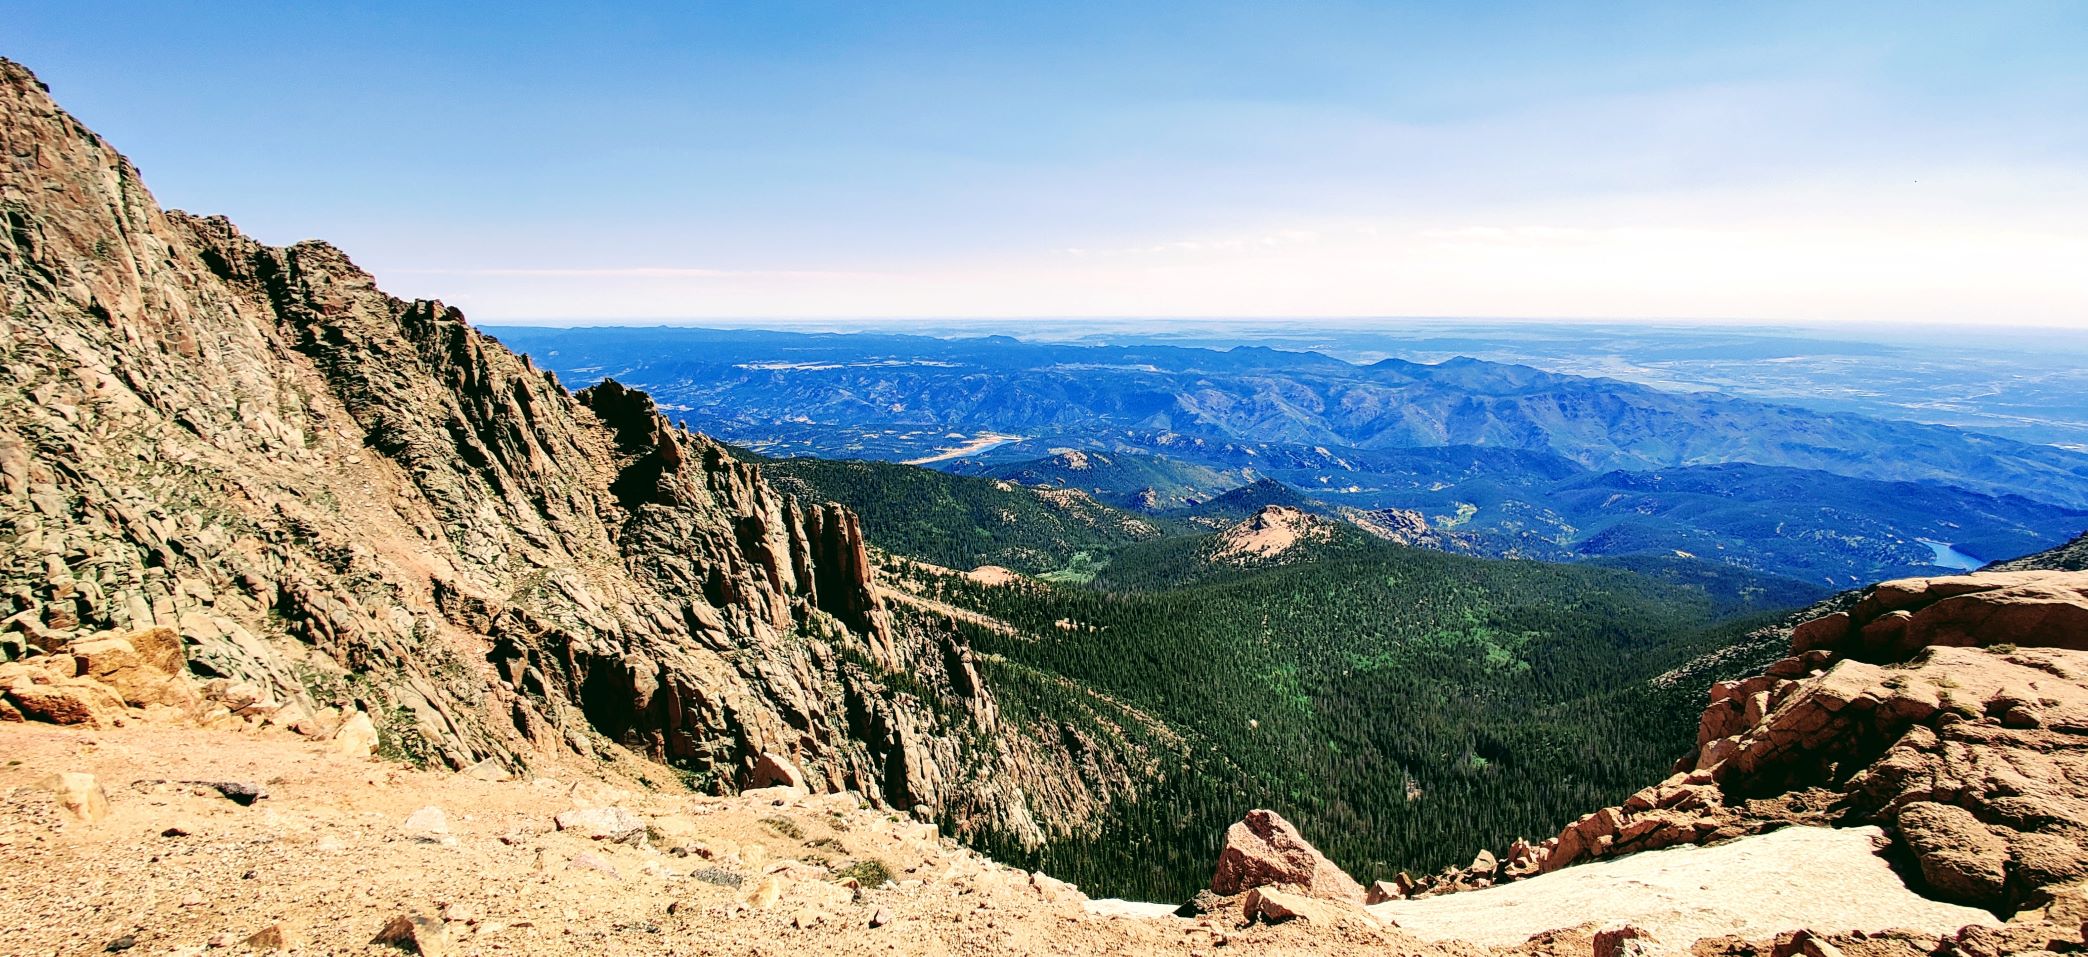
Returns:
(348,499)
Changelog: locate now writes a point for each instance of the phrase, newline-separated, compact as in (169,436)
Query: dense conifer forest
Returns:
(963,522)
(1404,707)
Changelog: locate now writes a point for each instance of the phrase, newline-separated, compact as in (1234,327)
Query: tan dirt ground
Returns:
(327,855)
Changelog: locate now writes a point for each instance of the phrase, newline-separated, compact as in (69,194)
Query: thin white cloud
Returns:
(1268,240)
(633,272)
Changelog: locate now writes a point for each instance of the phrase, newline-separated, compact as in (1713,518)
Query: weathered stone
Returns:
(357,736)
(604,824)
(1960,858)
(1804,943)
(764,893)
(1626,941)
(79,795)
(416,933)
(63,701)
(427,824)
(242,793)
(775,770)
(272,937)
(595,862)
(1272,906)
(1053,889)
(1263,850)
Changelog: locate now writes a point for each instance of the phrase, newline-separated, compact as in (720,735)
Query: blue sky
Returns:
(1863,162)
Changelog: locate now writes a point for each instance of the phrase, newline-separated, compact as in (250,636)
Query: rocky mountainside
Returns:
(358,505)
(1903,748)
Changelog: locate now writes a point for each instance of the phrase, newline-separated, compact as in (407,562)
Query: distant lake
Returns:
(1948,556)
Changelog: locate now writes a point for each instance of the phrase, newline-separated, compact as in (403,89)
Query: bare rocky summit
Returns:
(1269,534)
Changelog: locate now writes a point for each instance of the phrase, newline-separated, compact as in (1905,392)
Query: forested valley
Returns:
(1404,707)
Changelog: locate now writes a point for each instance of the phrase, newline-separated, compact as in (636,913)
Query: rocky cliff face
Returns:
(357,503)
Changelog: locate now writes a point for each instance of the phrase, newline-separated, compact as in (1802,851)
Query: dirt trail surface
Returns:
(1830,880)
(338,848)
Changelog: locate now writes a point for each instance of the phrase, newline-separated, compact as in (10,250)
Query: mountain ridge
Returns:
(1321,401)
(359,504)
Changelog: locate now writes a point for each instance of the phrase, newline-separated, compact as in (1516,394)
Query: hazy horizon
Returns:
(1777,163)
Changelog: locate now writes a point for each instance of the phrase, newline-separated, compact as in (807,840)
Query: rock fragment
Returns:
(79,796)
(357,736)
(764,893)
(272,937)
(417,934)
(428,824)
(242,793)
(1625,941)
(1272,906)
(604,824)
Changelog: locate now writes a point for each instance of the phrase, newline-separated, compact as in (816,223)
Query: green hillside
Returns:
(963,522)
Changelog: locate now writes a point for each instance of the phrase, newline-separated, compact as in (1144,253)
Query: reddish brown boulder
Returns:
(1824,632)
(2051,613)
(1626,941)
(1960,858)
(775,770)
(1264,850)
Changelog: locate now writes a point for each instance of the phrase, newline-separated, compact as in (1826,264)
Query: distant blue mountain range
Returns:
(1530,462)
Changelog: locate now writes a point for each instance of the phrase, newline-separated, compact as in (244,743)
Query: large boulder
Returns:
(144,667)
(357,736)
(775,770)
(47,688)
(1264,850)
(97,680)
(1942,709)
(1900,618)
